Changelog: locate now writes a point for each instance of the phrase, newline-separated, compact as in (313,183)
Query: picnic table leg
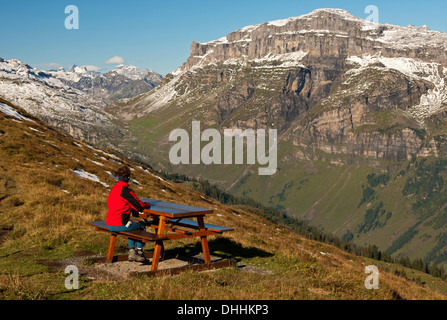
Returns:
(111,250)
(204,240)
(157,220)
(158,244)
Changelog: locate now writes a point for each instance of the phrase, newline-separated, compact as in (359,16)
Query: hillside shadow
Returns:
(225,249)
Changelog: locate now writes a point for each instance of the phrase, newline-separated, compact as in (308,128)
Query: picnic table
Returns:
(171,221)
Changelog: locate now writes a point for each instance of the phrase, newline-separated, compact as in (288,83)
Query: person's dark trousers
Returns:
(133,226)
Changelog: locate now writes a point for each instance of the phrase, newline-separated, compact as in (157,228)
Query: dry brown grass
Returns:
(48,207)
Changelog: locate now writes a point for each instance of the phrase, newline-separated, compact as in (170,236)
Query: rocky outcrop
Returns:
(123,82)
(371,123)
(234,98)
(339,90)
(333,84)
(324,33)
(58,104)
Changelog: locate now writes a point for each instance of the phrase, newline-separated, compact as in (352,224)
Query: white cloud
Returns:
(115,60)
(91,68)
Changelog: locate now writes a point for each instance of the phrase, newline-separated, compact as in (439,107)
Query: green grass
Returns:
(47,225)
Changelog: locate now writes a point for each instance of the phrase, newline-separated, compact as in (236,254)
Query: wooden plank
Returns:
(186,232)
(196,267)
(175,206)
(143,235)
(174,210)
(193,224)
(98,224)
(151,224)
(173,214)
(133,234)
(199,233)
(150,237)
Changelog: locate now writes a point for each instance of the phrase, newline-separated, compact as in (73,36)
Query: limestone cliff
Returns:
(328,81)
(347,96)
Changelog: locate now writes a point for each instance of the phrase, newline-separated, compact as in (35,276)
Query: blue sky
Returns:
(158,34)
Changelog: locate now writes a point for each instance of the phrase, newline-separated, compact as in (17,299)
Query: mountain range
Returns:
(52,185)
(359,108)
(124,81)
(74,100)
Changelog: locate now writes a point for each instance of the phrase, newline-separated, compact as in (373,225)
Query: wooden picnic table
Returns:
(167,216)
(171,221)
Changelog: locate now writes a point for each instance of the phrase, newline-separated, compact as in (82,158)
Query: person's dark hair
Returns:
(123,173)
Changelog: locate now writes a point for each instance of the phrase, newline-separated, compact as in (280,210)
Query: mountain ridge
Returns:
(74,100)
(46,96)
(122,82)
(45,209)
(349,99)
(383,37)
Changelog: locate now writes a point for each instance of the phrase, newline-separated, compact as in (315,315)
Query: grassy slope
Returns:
(45,207)
(328,195)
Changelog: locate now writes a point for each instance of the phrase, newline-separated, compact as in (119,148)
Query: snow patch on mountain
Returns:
(271,60)
(74,73)
(122,82)
(411,37)
(13,113)
(433,102)
(50,99)
(89,176)
(290,59)
(161,96)
(398,37)
(131,72)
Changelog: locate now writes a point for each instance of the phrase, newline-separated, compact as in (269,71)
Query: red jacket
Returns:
(122,202)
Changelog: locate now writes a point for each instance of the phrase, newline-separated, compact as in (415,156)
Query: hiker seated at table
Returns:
(122,202)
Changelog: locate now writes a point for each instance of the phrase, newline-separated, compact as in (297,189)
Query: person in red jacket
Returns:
(122,203)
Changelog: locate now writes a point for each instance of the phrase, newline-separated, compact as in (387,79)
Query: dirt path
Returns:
(118,271)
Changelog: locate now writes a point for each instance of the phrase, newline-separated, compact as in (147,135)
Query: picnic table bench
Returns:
(170,222)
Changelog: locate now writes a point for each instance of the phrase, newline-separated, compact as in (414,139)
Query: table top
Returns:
(174,210)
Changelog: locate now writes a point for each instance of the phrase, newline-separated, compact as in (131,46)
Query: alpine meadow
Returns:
(317,142)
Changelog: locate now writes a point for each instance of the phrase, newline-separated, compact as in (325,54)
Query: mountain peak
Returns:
(344,14)
(131,71)
(72,68)
(76,69)
(340,12)
(311,33)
